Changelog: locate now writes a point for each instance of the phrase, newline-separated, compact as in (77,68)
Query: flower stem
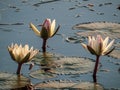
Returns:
(44,45)
(19,68)
(95,68)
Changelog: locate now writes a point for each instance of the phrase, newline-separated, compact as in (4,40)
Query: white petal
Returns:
(89,40)
(108,46)
(36,31)
(52,28)
(85,46)
(105,42)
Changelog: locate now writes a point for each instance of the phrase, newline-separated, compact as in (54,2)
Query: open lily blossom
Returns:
(98,46)
(47,31)
(21,54)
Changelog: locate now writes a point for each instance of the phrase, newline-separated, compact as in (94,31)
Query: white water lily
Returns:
(98,46)
(21,54)
(48,29)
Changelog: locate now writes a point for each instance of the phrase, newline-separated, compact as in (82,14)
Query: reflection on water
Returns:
(47,64)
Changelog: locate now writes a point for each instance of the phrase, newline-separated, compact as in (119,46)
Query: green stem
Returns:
(19,68)
(95,68)
(44,45)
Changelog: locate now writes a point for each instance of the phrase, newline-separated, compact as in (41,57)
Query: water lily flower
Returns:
(98,46)
(47,31)
(21,54)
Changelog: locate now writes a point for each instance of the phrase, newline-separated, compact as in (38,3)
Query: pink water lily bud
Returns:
(47,30)
(98,46)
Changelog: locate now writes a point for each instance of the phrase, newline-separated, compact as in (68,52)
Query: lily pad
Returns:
(41,74)
(58,64)
(102,33)
(47,59)
(12,81)
(71,85)
(74,65)
(115,54)
(113,27)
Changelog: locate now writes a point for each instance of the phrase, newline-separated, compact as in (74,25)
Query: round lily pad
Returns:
(103,28)
(102,33)
(41,74)
(12,81)
(70,85)
(113,27)
(47,61)
(74,65)
(63,65)
(45,58)
(115,54)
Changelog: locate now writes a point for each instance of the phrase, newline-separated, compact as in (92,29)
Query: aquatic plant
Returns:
(97,46)
(21,54)
(47,31)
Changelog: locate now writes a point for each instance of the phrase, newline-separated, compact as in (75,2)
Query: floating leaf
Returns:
(70,85)
(12,81)
(41,74)
(102,33)
(74,65)
(113,27)
(115,54)
(61,64)
(47,59)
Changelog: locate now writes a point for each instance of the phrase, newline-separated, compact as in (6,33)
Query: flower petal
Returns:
(47,24)
(52,29)
(92,51)
(108,46)
(85,46)
(36,31)
(56,31)
(106,53)
(105,42)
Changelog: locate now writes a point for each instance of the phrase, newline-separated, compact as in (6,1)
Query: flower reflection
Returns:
(21,54)
(47,31)
(98,46)
(47,64)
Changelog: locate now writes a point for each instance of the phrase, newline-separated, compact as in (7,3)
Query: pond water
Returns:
(15,17)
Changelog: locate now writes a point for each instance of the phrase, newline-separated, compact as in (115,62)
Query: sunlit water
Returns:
(65,12)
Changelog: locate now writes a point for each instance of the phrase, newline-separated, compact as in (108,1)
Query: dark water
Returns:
(15,16)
